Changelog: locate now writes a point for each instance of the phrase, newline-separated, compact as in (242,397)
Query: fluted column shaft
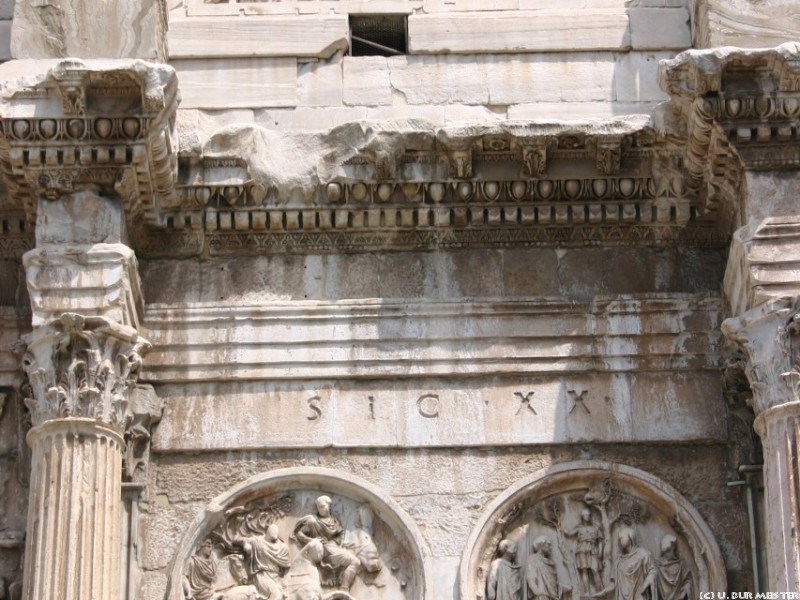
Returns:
(72,545)
(769,337)
(779,428)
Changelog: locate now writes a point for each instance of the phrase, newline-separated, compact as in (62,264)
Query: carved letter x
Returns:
(579,399)
(525,400)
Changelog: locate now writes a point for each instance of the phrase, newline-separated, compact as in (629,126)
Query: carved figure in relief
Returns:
(328,530)
(589,553)
(267,558)
(505,576)
(201,574)
(675,581)
(541,576)
(302,580)
(363,547)
(635,571)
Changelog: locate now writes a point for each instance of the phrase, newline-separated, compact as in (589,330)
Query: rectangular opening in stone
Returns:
(378,35)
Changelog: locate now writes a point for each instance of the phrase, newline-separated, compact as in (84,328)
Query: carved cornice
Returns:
(107,126)
(768,337)
(509,185)
(81,367)
(738,109)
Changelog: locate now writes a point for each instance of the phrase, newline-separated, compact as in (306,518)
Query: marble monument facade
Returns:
(508,311)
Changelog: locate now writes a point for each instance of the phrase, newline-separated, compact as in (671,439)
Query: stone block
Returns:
(551,77)
(445,79)
(301,36)
(224,83)
(320,83)
(576,111)
(437,6)
(433,114)
(518,31)
(366,81)
(305,118)
(636,77)
(97,279)
(196,126)
(460,113)
(529,273)
(660,29)
(89,29)
(572,4)
(430,338)
(80,218)
(747,24)
(608,406)
(301,7)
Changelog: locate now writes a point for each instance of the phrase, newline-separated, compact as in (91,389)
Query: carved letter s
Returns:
(316,410)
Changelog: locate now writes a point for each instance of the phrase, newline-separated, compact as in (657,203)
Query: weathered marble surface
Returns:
(65,28)
(640,408)
(386,339)
(444,492)
(745,23)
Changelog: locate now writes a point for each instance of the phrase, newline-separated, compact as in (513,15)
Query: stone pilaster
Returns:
(767,335)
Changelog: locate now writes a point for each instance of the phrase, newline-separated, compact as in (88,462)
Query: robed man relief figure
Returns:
(326,528)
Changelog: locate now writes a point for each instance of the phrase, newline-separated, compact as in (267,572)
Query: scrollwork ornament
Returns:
(81,367)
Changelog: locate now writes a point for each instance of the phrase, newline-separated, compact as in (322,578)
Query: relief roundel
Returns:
(301,534)
(590,530)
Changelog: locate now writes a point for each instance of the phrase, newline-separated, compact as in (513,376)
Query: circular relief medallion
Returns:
(590,530)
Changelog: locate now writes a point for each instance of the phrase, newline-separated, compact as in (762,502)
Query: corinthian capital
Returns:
(768,337)
(81,366)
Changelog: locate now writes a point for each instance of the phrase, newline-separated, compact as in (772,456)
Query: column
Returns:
(90,160)
(768,337)
(740,108)
(74,499)
(82,372)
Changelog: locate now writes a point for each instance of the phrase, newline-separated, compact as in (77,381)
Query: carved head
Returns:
(323,504)
(272,533)
(206,548)
(627,538)
(668,545)
(507,549)
(586,515)
(313,551)
(543,546)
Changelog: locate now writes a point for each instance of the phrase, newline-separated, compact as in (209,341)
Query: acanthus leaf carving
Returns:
(766,336)
(83,367)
